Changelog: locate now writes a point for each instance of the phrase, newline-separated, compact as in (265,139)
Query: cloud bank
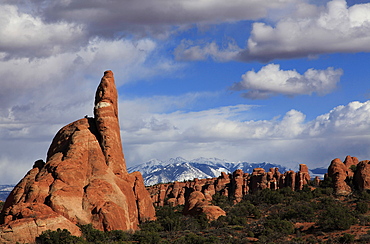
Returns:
(337,28)
(304,30)
(219,132)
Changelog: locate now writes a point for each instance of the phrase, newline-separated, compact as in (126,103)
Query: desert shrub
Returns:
(327,182)
(364,238)
(335,216)
(221,201)
(299,211)
(347,238)
(244,209)
(119,236)
(362,207)
(93,235)
(58,237)
(1,205)
(364,220)
(152,225)
(219,223)
(323,191)
(147,237)
(192,238)
(284,227)
(170,218)
(266,196)
(304,195)
(275,228)
(364,195)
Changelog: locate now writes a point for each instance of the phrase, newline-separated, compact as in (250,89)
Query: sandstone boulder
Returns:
(197,204)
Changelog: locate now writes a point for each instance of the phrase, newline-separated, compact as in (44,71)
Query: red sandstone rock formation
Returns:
(234,185)
(362,175)
(238,185)
(106,118)
(197,204)
(338,172)
(350,162)
(83,181)
(303,177)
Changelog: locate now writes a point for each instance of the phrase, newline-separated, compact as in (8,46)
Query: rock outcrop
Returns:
(197,204)
(338,173)
(234,186)
(84,180)
(362,175)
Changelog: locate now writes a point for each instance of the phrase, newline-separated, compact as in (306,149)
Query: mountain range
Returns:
(179,169)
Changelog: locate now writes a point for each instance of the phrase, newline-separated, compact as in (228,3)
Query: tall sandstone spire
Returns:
(83,181)
(106,118)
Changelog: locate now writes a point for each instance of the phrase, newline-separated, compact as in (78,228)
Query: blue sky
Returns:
(283,81)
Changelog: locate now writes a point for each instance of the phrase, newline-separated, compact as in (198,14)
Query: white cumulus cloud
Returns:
(336,28)
(270,80)
(298,30)
(25,35)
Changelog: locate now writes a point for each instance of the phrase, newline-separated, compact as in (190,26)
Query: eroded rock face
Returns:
(83,181)
(362,175)
(350,162)
(303,176)
(338,173)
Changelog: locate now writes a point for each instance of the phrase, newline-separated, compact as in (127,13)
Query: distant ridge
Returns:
(5,191)
(179,169)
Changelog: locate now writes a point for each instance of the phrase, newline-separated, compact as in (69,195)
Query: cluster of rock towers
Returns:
(234,185)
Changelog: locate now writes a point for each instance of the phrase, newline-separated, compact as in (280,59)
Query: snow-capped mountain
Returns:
(179,169)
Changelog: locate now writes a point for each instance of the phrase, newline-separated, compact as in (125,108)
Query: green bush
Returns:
(147,237)
(362,207)
(151,226)
(299,212)
(221,201)
(239,213)
(58,237)
(93,235)
(279,226)
(335,216)
(323,191)
(266,196)
(347,238)
(192,238)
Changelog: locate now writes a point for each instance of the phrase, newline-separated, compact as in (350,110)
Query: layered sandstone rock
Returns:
(83,181)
